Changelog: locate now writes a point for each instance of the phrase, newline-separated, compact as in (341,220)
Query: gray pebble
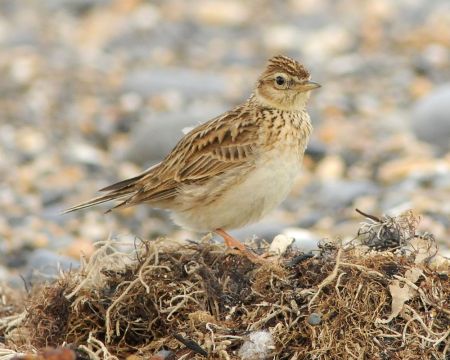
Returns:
(45,265)
(189,82)
(265,229)
(316,150)
(442,181)
(397,196)
(305,241)
(309,219)
(314,319)
(341,193)
(154,138)
(78,6)
(430,119)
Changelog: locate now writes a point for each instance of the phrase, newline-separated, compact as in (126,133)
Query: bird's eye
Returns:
(280,80)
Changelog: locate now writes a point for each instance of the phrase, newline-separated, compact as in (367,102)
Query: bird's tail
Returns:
(118,191)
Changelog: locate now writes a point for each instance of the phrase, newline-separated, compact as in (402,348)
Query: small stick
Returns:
(328,279)
(364,269)
(372,217)
(191,344)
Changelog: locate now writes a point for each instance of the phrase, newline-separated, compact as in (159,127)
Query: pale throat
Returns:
(288,101)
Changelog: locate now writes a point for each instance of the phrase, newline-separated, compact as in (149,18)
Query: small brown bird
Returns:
(235,168)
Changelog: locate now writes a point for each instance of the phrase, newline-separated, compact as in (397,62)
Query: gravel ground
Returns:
(92,91)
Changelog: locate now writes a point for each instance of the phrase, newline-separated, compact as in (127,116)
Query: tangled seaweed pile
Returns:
(191,301)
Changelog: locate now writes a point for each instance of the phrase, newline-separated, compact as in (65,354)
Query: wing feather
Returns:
(209,150)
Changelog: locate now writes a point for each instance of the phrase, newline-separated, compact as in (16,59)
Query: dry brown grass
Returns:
(197,299)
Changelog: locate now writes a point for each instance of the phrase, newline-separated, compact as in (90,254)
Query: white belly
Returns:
(263,189)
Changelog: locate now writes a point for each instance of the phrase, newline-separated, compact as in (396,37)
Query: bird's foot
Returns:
(231,242)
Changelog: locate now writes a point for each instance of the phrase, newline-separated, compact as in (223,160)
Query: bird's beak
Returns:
(306,86)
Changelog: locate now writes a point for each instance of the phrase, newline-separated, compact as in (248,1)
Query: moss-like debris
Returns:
(198,299)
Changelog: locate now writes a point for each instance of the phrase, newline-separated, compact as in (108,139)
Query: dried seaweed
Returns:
(119,304)
(387,232)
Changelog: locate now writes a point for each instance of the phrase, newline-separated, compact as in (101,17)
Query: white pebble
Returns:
(257,347)
(280,243)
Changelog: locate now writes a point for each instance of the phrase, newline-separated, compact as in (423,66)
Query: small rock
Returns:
(31,141)
(280,244)
(93,228)
(85,154)
(412,167)
(442,180)
(219,12)
(265,229)
(314,319)
(340,193)
(437,54)
(430,119)
(4,274)
(331,167)
(304,240)
(394,202)
(327,41)
(80,247)
(282,37)
(316,150)
(78,6)
(257,347)
(189,82)
(155,137)
(162,355)
(44,265)
(24,68)
(130,101)
(309,219)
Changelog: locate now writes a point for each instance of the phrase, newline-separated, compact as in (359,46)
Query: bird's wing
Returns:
(209,150)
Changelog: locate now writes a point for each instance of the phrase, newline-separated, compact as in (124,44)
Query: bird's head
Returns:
(285,84)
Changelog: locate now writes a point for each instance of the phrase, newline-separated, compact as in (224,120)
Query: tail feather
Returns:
(96,201)
(122,190)
(119,193)
(123,184)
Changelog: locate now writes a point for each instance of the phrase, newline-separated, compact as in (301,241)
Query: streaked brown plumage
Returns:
(236,167)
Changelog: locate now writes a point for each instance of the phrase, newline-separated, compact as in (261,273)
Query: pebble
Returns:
(314,319)
(93,229)
(169,129)
(412,168)
(190,83)
(45,265)
(342,193)
(30,141)
(304,240)
(258,346)
(430,119)
(436,55)
(73,5)
(266,229)
(85,154)
(282,37)
(330,168)
(222,13)
(280,244)
(80,247)
(316,150)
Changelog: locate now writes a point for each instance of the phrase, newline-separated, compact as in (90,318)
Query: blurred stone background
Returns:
(94,91)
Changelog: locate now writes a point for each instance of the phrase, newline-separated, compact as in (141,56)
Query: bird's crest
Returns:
(286,65)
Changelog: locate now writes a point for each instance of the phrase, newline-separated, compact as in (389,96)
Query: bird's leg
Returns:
(231,242)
